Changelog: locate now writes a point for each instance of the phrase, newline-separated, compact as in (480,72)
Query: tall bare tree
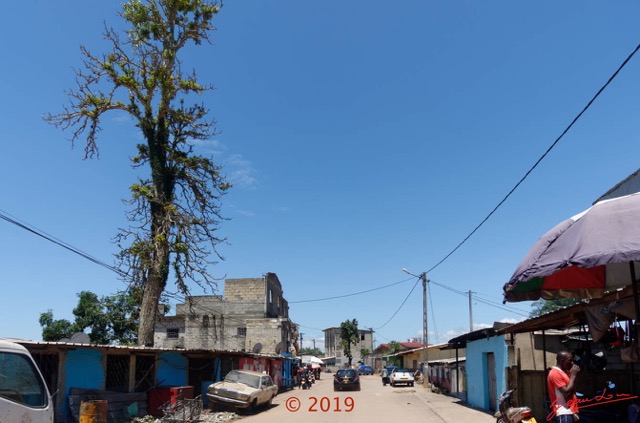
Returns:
(175,210)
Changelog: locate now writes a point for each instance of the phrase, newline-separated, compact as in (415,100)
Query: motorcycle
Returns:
(305,382)
(508,414)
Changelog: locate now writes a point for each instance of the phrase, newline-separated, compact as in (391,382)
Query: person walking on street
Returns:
(385,375)
(560,383)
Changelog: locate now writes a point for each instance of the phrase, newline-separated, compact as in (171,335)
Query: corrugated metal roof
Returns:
(565,317)
(134,348)
(448,360)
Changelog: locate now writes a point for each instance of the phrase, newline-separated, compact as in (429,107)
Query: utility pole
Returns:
(373,344)
(301,340)
(470,313)
(425,332)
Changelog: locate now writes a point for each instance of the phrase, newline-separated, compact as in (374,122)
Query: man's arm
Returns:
(567,390)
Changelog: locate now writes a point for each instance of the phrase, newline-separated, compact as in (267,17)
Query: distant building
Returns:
(252,316)
(333,348)
(383,355)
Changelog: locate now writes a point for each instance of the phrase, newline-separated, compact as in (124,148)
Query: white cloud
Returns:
(240,172)
(246,213)
(122,117)
(477,326)
(209,147)
(510,320)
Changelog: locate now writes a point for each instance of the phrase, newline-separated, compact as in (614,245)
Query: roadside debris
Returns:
(206,416)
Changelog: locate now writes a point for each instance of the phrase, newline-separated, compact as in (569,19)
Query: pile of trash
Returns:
(206,416)
(218,416)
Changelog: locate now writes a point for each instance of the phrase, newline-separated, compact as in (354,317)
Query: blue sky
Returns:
(361,137)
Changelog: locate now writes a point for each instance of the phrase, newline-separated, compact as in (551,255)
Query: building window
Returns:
(172,333)
(270,296)
(242,331)
(362,337)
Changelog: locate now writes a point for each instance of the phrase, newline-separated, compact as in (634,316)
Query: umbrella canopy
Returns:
(582,257)
(311,359)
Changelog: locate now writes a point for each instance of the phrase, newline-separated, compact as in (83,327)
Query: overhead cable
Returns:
(611,78)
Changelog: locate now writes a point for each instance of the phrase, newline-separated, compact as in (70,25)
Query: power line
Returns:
(349,295)
(486,302)
(400,307)
(497,305)
(42,234)
(566,130)
(433,313)
(540,159)
(526,175)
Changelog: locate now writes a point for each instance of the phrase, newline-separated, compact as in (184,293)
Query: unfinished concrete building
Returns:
(251,316)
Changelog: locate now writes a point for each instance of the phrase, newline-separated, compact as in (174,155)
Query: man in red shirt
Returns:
(560,383)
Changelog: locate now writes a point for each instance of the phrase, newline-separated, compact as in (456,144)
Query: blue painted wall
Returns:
(83,368)
(477,371)
(171,369)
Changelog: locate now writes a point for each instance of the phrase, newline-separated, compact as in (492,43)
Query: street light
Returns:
(425,333)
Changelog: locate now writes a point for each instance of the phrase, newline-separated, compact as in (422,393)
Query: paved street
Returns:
(373,403)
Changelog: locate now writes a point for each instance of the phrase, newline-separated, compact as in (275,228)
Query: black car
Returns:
(346,379)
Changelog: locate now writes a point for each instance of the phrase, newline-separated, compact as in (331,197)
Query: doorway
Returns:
(491,381)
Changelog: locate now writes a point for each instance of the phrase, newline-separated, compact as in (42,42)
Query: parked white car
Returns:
(399,376)
(243,389)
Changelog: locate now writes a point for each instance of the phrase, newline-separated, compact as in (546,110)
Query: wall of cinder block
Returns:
(202,304)
(268,333)
(245,297)
(215,332)
(220,322)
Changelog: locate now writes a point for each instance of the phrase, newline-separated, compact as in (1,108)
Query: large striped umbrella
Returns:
(594,252)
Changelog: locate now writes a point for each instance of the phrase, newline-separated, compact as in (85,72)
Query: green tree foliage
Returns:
(55,330)
(109,319)
(312,351)
(349,336)
(90,315)
(543,306)
(175,209)
(123,312)
(394,347)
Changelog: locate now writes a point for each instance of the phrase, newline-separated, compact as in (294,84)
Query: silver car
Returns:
(243,389)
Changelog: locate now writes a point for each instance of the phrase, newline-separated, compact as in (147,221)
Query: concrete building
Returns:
(333,348)
(251,316)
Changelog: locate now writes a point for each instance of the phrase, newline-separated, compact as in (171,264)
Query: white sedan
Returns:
(243,389)
(399,376)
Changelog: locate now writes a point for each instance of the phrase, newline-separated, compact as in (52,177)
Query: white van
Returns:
(24,396)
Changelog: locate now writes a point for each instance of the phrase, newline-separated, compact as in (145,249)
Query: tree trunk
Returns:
(149,309)
(158,275)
